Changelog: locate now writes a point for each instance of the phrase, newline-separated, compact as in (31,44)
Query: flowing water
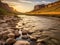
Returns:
(36,23)
(20,37)
(34,30)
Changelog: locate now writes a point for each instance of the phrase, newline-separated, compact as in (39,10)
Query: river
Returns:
(49,26)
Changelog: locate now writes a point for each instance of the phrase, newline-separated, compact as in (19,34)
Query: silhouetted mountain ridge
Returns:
(6,7)
(47,8)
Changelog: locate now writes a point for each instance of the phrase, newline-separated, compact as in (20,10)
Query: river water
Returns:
(40,22)
(36,23)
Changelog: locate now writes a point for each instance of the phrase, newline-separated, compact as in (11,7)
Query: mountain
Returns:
(37,7)
(52,8)
(5,9)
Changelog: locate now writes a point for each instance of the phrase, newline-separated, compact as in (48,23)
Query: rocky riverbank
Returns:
(8,31)
(29,30)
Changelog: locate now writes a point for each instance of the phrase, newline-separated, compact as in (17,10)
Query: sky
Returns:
(26,5)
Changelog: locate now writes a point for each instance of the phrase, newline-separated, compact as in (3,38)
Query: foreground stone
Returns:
(10,41)
(11,35)
(22,43)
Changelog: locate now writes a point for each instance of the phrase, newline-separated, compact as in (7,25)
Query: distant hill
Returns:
(50,8)
(5,9)
(37,7)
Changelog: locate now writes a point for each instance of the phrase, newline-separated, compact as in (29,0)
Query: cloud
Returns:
(43,2)
(25,5)
(33,2)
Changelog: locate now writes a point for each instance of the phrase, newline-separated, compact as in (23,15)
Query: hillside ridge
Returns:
(50,8)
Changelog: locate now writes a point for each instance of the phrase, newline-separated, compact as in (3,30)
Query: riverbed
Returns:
(34,30)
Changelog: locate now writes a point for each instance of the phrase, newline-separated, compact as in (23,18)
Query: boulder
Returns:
(24,32)
(22,42)
(10,41)
(16,33)
(25,37)
(11,35)
(33,38)
(2,42)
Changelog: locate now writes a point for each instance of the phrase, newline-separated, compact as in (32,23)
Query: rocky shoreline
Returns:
(29,30)
(8,31)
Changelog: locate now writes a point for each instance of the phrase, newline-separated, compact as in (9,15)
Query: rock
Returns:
(11,30)
(11,35)
(0,35)
(4,25)
(2,42)
(32,38)
(22,43)
(4,32)
(10,41)
(30,32)
(4,35)
(24,32)
(25,37)
(2,21)
(43,43)
(43,39)
(16,33)
(8,17)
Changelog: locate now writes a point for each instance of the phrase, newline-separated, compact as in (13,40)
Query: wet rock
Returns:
(30,32)
(43,39)
(42,43)
(5,32)
(33,38)
(11,30)
(3,35)
(2,21)
(10,41)
(56,41)
(4,25)
(24,32)
(0,36)
(22,42)
(16,33)
(8,17)
(11,35)
(25,37)
(2,42)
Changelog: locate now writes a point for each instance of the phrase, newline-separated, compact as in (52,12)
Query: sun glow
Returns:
(22,9)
